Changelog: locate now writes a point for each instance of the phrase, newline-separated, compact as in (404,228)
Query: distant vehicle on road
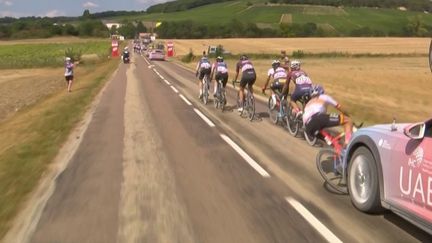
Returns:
(157,55)
(390,166)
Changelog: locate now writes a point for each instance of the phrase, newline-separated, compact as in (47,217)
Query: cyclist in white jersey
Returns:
(203,68)
(315,115)
(219,72)
(279,75)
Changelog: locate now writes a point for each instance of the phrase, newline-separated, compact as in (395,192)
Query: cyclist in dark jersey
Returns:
(219,72)
(248,76)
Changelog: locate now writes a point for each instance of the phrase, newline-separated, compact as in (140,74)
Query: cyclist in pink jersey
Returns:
(302,82)
(315,115)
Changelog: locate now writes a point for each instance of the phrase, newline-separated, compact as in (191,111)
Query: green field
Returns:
(49,54)
(343,20)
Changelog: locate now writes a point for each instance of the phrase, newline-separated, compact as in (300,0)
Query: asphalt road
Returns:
(156,165)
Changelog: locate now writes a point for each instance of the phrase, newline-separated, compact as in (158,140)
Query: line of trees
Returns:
(235,28)
(414,5)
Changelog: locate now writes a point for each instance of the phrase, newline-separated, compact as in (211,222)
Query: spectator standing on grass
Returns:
(69,75)
(285,61)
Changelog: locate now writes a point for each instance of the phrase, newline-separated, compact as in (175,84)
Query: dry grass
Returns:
(23,87)
(313,45)
(374,90)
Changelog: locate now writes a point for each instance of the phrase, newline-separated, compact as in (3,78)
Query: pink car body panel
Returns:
(406,171)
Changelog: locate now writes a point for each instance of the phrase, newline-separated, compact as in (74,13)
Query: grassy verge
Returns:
(31,138)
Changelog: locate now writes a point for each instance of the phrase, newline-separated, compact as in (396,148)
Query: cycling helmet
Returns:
(68,59)
(316,90)
(126,48)
(275,63)
(219,59)
(295,64)
(243,57)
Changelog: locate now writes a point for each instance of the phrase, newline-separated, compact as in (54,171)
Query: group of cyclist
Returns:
(282,72)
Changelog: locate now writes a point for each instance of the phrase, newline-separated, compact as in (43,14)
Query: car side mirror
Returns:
(415,131)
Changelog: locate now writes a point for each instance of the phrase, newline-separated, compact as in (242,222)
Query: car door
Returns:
(410,184)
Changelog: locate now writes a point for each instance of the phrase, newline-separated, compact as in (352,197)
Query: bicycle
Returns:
(278,111)
(220,99)
(330,161)
(205,88)
(295,122)
(248,103)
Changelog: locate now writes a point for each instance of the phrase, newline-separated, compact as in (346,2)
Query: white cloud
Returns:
(54,13)
(6,2)
(90,5)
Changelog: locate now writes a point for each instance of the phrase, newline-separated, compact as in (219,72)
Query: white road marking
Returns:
(324,231)
(245,156)
(185,100)
(173,88)
(166,81)
(208,121)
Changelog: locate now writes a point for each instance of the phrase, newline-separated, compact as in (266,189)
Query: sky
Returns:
(53,8)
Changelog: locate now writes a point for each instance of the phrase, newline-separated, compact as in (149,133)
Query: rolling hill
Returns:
(341,20)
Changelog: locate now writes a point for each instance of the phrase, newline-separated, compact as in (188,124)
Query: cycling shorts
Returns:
(69,78)
(204,71)
(248,77)
(321,120)
(223,77)
(277,86)
(299,92)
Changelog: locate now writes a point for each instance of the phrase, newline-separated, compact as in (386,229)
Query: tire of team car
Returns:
(363,181)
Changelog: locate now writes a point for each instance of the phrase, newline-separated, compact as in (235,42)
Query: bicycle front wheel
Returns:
(291,123)
(330,167)
(272,109)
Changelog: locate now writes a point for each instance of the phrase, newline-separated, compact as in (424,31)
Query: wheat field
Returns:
(373,89)
(312,45)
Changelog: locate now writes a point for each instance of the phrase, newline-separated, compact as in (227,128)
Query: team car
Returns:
(390,167)
(157,55)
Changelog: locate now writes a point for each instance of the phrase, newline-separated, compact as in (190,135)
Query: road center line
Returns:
(312,220)
(210,123)
(166,81)
(185,100)
(173,88)
(245,156)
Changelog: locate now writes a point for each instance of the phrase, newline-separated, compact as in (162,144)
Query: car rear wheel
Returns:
(363,183)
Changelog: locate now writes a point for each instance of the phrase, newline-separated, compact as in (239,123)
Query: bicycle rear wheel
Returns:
(311,140)
(222,99)
(330,167)
(206,90)
(251,107)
